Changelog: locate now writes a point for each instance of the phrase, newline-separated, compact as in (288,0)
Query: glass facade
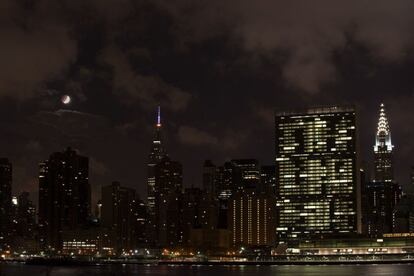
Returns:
(316,174)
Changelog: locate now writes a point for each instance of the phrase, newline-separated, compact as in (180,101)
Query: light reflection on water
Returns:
(112,270)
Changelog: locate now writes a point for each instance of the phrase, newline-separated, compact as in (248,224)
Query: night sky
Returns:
(219,70)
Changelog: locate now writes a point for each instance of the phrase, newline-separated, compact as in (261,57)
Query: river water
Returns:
(112,270)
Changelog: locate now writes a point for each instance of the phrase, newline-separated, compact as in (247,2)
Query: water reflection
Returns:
(112,270)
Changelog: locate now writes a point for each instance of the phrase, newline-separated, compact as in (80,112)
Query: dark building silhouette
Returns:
(383,193)
(168,203)
(5,201)
(404,215)
(233,176)
(64,196)
(246,174)
(317,191)
(26,216)
(123,214)
(412,177)
(209,177)
(157,153)
(200,211)
(191,212)
(24,228)
(268,179)
(381,199)
(223,181)
(224,188)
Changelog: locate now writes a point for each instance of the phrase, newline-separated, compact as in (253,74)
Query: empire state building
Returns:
(156,155)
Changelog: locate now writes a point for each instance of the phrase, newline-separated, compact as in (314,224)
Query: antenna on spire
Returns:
(159,116)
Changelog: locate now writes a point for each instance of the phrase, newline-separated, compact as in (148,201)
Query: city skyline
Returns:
(206,137)
(316,191)
(366,161)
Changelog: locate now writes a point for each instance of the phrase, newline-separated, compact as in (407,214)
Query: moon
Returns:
(66,99)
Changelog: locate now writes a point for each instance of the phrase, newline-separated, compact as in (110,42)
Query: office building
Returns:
(317,191)
(123,214)
(383,193)
(168,203)
(252,219)
(64,196)
(209,177)
(157,153)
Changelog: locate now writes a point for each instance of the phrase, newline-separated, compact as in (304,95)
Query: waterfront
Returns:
(16,269)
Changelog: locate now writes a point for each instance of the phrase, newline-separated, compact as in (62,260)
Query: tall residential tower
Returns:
(64,196)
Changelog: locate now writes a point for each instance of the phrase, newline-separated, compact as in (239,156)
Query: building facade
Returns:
(252,219)
(268,179)
(124,216)
(24,224)
(383,150)
(5,201)
(157,153)
(64,196)
(317,190)
(382,193)
(168,203)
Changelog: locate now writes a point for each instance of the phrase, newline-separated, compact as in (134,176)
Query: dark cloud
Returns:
(228,141)
(219,69)
(147,91)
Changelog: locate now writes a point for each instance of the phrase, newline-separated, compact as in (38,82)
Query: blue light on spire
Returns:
(159,117)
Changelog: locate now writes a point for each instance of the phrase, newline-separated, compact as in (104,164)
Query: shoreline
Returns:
(287,263)
(213,263)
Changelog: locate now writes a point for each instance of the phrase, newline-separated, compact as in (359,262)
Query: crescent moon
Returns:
(66,99)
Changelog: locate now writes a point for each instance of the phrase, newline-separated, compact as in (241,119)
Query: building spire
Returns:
(383,126)
(159,116)
(383,149)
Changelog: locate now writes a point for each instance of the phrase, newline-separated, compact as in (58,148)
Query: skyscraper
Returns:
(5,200)
(383,193)
(316,173)
(156,155)
(64,196)
(252,219)
(123,215)
(168,203)
(383,150)
(230,178)
(209,176)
